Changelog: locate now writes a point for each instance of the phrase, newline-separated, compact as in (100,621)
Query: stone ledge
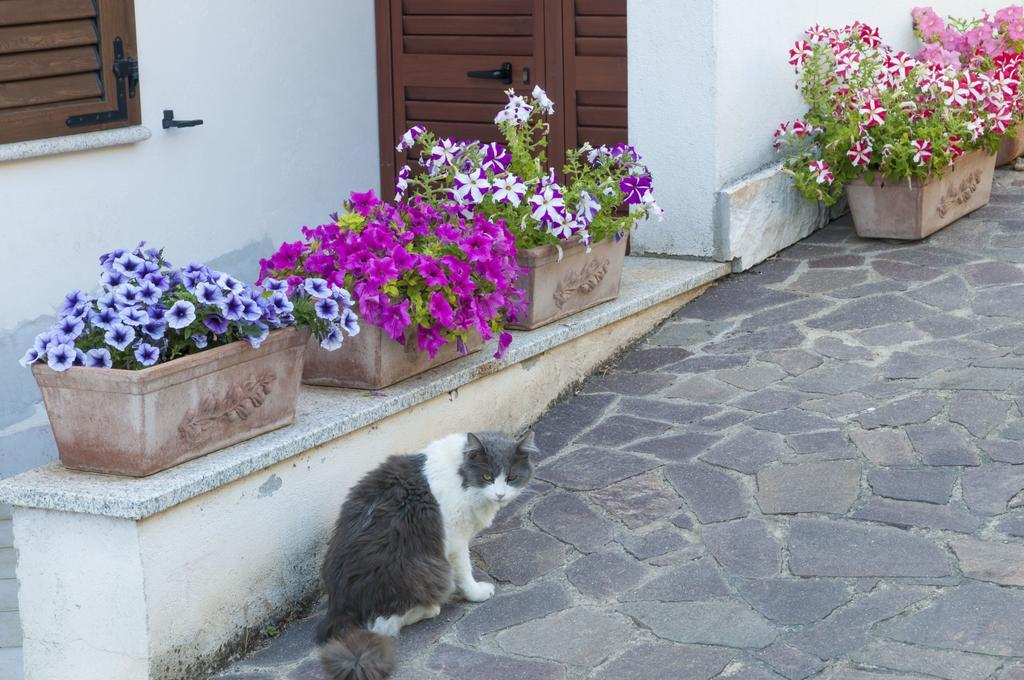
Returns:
(16,151)
(326,414)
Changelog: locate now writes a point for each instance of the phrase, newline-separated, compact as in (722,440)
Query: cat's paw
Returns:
(478,591)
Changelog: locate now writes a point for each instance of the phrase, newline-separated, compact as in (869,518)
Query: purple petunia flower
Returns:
(232,307)
(42,341)
(133,316)
(129,264)
(496,158)
(149,293)
(200,341)
(230,283)
(104,318)
(257,333)
(250,310)
(181,314)
(216,323)
(333,339)
(70,327)
(113,279)
(349,321)
(155,329)
(281,304)
(61,357)
(160,280)
(119,336)
(127,295)
(209,293)
(317,288)
(275,286)
(98,358)
(31,357)
(72,300)
(633,189)
(156,312)
(146,354)
(326,308)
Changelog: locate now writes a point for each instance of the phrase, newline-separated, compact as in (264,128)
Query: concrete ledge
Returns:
(16,151)
(326,414)
(761,214)
(165,577)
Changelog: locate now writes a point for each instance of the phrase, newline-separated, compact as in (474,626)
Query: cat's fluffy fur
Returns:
(401,544)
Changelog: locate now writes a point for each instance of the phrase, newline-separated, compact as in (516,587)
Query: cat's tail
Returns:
(358,654)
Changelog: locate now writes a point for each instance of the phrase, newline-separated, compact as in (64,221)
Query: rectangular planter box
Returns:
(913,210)
(136,423)
(556,288)
(1011,147)
(372,361)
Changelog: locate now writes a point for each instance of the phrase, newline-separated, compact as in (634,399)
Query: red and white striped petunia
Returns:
(900,64)
(817,34)
(956,93)
(860,153)
(847,62)
(800,128)
(873,109)
(821,171)
(800,53)
(974,85)
(870,36)
(1001,119)
(922,151)
(955,151)
(976,127)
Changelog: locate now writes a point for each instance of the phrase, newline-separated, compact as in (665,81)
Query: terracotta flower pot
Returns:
(556,288)
(136,423)
(373,361)
(913,210)
(1011,147)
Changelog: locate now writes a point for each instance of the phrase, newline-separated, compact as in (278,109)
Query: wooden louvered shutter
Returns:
(66,67)
(594,54)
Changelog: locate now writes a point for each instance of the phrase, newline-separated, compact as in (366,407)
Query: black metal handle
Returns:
(504,74)
(169,121)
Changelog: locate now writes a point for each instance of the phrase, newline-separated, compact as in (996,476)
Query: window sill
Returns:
(52,146)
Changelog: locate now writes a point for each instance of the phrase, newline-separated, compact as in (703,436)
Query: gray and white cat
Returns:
(400,547)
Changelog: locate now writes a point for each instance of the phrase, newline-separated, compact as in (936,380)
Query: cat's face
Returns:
(496,466)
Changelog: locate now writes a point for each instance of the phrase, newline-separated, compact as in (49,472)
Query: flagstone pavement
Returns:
(816,470)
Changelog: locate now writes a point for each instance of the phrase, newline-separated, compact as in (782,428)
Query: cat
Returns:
(400,547)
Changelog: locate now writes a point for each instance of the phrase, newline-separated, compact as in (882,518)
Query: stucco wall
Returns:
(288,93)
(709,83)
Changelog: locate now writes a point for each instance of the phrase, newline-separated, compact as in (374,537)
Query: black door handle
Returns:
(169,122)
(504,74)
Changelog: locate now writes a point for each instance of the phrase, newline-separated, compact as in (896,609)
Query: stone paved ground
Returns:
(813,471)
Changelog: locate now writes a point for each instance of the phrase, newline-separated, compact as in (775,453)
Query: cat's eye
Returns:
(513,478)
(488,478)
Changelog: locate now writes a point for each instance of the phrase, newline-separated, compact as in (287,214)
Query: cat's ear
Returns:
(525,445)
(474,448)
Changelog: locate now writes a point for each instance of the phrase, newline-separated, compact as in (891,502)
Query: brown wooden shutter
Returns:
(57,67)
(425,53)
(594,48)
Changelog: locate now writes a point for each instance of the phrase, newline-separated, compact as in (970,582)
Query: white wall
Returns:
(288,93)
(671,47)
(709,83)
